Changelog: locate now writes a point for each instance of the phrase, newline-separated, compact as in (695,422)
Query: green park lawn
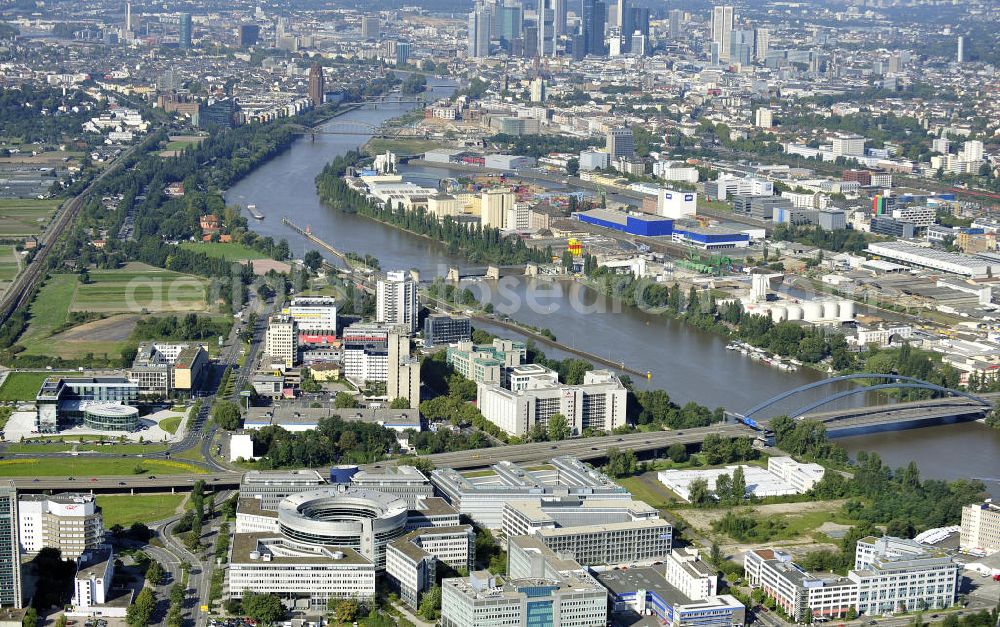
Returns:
(24,386)
(228,251)
(125,509)
(61,445)
(82,468)
(137,287)
(20,217)
(170,425)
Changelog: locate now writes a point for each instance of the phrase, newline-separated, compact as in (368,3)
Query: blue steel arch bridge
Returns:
(949,403)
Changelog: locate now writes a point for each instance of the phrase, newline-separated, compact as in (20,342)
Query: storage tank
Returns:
(847,310)
(830,310)
(812,311)
(342,474)
(794,312)
(778,314)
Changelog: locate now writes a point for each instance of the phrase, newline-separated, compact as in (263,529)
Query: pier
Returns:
(307,233)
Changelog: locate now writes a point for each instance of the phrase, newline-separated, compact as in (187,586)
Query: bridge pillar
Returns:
(452,275)
(173,490)
(531,269)
(493,273)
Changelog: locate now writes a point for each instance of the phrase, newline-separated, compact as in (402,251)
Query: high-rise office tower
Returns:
(248,35)
(10,554)
(636,21)
(511,20)
(370,26)
(128,17)
(594,13)
(480,26)
(960,56)
(722,29)
(676,17)
(184,31)
(620,143)
(761,43)
(741,47)
(396,300)
(529,42)
(317,85)
(621,13)
(546,28)
(559,16)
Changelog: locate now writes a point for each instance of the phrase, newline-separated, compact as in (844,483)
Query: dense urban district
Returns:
(518,312)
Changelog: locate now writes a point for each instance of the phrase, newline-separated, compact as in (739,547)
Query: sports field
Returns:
(22,217)
(228,252)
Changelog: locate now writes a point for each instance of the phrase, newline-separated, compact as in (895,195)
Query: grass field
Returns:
(94,467)
(401,146)
(23,386)
(135,288)
(22,217)
(8,263)
(170,425)
(229,252)
(125,509)
(58,446)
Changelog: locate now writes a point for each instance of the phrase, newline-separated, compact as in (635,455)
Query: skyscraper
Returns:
(184,32)
(960,56)
(722,29)
(396,300)
(370,26)
(741,47)
(511,20)
(128,17)
(10,554)
(559,16)
(248,36)
(594,13)
(762,41)
(480,25)
(546,28)
(620,143)
(317,85)
(676,17)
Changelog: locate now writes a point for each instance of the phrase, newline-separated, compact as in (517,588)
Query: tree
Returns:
(399,403)
(739,486)
(30,618)
(313,260)
(558,428)
(264,608)
(154,573)
(698,492)
(234,607)
(139,613)
(567,260)
(678,453)
(344,400)
(573,167)
(347,610)
(715,556)
(807,617)
(430,605)
(226,415)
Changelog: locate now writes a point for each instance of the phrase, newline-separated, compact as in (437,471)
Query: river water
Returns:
(689,364)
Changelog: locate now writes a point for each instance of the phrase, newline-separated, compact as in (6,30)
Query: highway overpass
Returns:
(581,448)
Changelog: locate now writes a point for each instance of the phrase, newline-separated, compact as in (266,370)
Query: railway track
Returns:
(22,289)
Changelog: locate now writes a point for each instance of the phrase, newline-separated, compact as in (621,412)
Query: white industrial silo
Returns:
(794,312)
(778,314)
(830,310)
(812,311)
(847,310)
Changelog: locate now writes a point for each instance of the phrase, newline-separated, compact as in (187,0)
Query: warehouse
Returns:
(710,238)
(633,224)
(924,257)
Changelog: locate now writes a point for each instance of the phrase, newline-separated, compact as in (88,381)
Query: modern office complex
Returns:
(281,341)
(64,401)
(406,483)
(411,561)
(591,531)
(314,315)
(95,573)
(444,329)
(396,300)
(890,575)
(681,593)
(270,487)
(598,403)
(784,476)
(541,588)
(482,497)
(160,368)
(981,528)
(486,363)
(10,554)
(71,523)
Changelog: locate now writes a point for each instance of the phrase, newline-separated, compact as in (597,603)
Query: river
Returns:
(691,365)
